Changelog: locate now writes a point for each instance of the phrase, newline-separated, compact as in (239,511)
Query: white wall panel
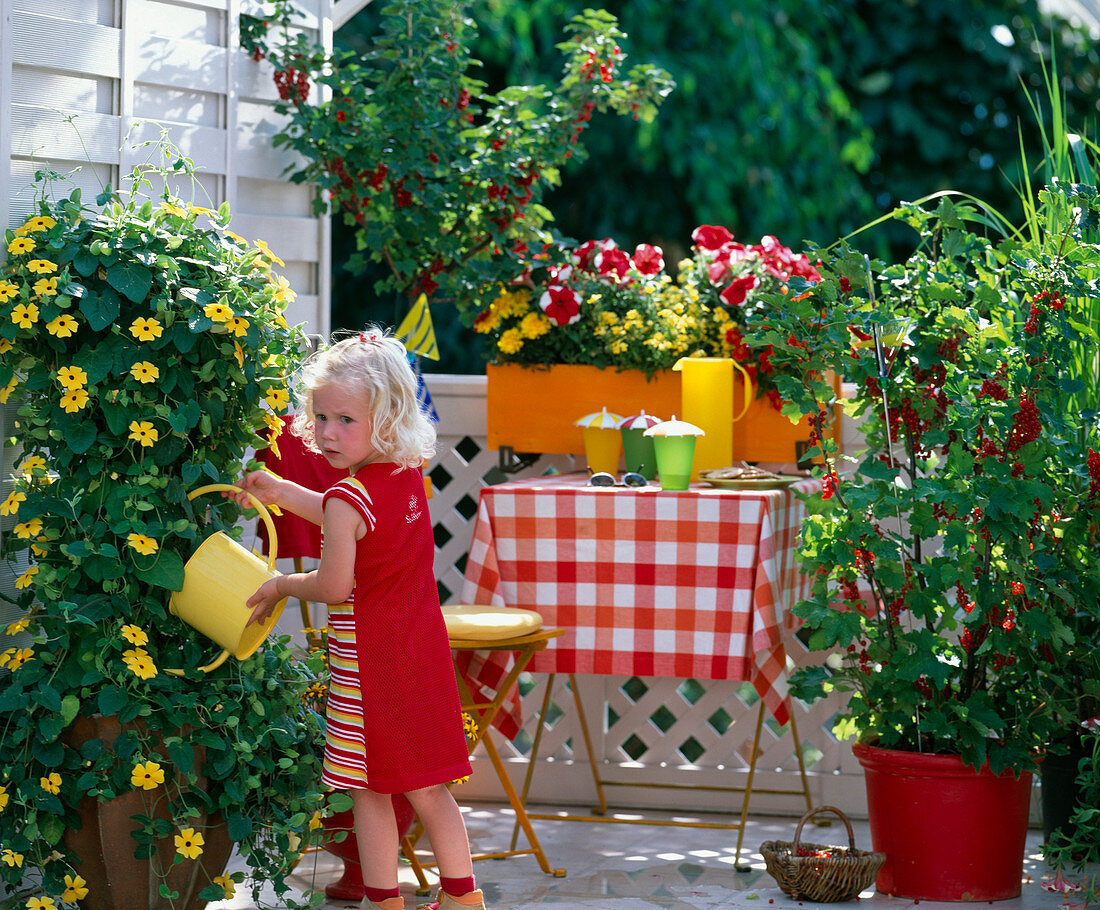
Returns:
(96,12)
(21,199)
(178,21)
(44,133)
(67,91)
(69,46)
(180,64)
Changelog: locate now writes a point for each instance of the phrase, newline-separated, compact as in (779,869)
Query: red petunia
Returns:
(561,305)
(736,291)
(710,236)
(649,260)
(613,264)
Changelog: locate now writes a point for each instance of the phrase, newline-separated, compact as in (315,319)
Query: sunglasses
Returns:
(604,479)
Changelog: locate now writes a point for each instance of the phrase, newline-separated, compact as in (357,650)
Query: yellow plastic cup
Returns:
(602,446)
(218,579)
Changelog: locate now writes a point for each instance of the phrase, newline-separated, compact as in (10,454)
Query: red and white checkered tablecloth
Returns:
(645,582)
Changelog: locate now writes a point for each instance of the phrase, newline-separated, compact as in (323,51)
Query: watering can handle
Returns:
(272,537)
(749,390)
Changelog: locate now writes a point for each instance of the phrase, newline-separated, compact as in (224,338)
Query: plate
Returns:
(751,483)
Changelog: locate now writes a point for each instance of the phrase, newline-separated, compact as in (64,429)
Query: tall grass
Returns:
(1068,166)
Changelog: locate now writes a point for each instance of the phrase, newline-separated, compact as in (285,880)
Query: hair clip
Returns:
(372,337)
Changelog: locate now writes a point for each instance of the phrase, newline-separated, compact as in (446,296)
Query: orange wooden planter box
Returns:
(532,409)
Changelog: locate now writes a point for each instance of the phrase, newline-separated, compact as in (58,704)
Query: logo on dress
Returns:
(414,512)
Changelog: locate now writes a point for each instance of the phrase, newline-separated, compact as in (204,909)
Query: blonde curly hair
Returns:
(375,365)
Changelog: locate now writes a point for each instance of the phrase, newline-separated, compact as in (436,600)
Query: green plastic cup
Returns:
(639,453)
(674,457)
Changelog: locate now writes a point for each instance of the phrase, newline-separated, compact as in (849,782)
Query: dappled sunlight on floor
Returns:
(642,867)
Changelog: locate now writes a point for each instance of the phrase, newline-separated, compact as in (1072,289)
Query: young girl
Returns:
(393,715)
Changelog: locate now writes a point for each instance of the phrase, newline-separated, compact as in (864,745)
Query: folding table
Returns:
(646,582)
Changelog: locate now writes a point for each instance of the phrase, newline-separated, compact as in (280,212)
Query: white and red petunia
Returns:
(710,236)
(647,259)
(561,305)
(736,291)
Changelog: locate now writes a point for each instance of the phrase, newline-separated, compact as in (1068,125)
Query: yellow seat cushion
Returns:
(476,622)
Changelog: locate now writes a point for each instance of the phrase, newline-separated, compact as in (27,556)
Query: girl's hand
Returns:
(264,601)
(262,484)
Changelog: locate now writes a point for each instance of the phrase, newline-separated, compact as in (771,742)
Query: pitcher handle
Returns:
(272,537)
(749,390)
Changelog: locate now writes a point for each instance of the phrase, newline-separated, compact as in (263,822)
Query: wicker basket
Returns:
(823,879)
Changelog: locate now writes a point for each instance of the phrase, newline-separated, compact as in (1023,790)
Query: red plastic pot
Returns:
(949,833)
(349,886)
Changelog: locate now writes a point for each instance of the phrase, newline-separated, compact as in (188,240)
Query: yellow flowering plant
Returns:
(143,352)
(596,303)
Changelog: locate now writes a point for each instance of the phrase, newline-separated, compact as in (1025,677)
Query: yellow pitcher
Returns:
(217,580)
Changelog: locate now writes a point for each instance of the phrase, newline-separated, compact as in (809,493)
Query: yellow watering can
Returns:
(218,579)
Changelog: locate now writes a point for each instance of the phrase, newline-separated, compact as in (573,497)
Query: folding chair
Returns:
(480,628)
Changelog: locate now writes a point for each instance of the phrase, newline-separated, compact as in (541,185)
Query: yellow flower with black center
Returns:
(8,289)
(28,529)
(6,345)
(140,663)
(145,371)
(239,326)
(20,657)
(76,889)
(41,266)
(20,625)
(36,225)
(10,506)
(274,431)
(266,251)
(3,797)
(283,291)
(11,858)
(31,464)
(72,377)
(172,209)
(63,326)
(26,579)
(135,635)
(41,903)
(277,399)
(189,843)
(142,431)
(45,287)
(21,245)
(5,392)
(226,883)
(148,776)
(24,315)
(51,783)
(74,400)
(146,328)
(146,546)
(218,312)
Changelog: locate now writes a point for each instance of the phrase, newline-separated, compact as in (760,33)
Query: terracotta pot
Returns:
(949,832)
(116,879)
(532,409)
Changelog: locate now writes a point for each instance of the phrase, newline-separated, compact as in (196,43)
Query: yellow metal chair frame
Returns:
(524,647)
(601,810)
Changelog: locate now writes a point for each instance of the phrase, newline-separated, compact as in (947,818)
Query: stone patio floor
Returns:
(644,867)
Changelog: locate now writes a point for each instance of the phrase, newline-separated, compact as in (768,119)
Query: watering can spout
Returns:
(218,579)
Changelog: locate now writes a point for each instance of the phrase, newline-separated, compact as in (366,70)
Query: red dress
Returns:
(412,721)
